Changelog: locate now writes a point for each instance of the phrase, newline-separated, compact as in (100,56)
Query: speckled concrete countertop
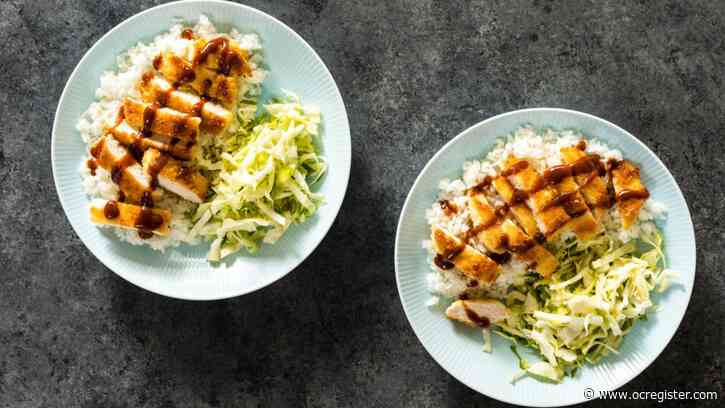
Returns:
(413,74)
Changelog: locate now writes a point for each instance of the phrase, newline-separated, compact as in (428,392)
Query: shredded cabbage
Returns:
(581,313)
(262,176)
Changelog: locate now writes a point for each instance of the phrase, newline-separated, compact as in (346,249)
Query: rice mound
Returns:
(116,85)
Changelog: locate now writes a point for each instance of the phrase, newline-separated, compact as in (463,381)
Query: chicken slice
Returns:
(172,125)
(629,191)
(467,259)
(125,171)
(223,55)
(486,222)
(124,215)
(582,222)
(175,176)
(550,217)
(521,212)
(129,136)
(528,250)
(591,185)
(214,118)
(204,81)
(478,312)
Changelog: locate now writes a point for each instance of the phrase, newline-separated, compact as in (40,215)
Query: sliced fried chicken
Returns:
(127,216)
(467,259)
(629,191)
(477,312)
(175,176)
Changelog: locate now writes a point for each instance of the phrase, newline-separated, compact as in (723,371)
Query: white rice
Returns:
(542,147)
(116,85)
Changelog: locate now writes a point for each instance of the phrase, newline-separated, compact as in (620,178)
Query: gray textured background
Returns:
(413,74)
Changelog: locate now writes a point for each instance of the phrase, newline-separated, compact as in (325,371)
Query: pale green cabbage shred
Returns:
(262,176)
(582,312)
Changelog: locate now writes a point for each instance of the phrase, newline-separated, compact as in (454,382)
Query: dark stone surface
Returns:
(413,74)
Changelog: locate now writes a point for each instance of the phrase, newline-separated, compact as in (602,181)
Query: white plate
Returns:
(459,349)
(184,272)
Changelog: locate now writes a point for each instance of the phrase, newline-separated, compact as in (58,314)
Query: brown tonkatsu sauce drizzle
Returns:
(147,77)
(519,196)
(522,247)
(613,164)
(187,34)
(480,321)
(149,115)
(501,211)
(120,166)
(121,196)
(116,173)
(110,210)
(136,150)
(588,164)
(187,75)
(96,149)
(561,199)
(209,48)
(501,258)
(445,260)
(539,238)
(505,241)
(472,283)
(147,221)
(481,187)
(228,61)
(632,194)
(448,207)
(515,168)
(556,174)
(473,231)
(157,62)
(206,86)
(573,207)
(92,166)
(442,262)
